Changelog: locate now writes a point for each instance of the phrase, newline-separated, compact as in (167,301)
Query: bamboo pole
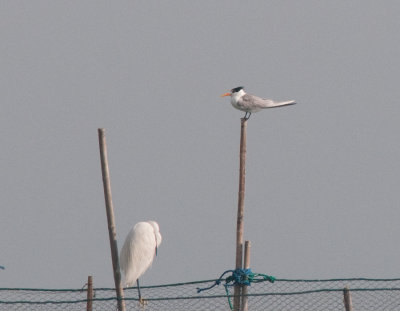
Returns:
(110,219)
(240,213)
(347,299)
(246,265)
(89,304)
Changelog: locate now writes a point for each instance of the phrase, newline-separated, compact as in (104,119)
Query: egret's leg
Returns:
(142,302)
(138,289)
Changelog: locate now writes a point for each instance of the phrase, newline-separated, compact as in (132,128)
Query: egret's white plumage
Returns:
(139,249)
(251,103)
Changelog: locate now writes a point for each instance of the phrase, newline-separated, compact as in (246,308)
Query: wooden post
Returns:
(240,213)
(247,246)
(89,304)
(347,299)
(110,220)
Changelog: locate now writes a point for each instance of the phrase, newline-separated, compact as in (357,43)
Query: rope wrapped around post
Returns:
(239,277)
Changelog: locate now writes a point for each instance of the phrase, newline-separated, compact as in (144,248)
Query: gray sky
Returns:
(322,176)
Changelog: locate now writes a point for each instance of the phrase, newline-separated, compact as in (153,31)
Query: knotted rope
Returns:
(239,277)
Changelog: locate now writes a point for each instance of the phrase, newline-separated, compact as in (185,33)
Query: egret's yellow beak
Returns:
(226,94)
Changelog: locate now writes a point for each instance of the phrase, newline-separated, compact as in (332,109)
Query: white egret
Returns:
(139,250)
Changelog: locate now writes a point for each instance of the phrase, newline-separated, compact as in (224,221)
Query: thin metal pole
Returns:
(247,246)
(347,299)
(240,213)
(110,219)
(89,304)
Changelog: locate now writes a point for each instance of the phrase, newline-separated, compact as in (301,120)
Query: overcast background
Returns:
(322,180)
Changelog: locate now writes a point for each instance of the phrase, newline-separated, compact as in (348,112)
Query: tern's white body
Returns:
(250,103)
(139,250)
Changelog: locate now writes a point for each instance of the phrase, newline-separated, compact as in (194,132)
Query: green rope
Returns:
(259,277)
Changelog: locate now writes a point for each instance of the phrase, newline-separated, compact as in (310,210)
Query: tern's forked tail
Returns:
(279,104)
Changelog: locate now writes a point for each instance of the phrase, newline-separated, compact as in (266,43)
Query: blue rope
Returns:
(217,282)
(239,277)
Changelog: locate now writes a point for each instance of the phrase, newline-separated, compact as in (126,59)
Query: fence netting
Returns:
(282,295)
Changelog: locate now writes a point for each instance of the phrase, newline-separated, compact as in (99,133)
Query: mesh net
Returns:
(283,294)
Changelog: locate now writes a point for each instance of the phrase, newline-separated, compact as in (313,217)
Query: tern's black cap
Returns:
(237,89)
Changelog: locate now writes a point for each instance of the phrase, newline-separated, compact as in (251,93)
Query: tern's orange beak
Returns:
(226,94)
